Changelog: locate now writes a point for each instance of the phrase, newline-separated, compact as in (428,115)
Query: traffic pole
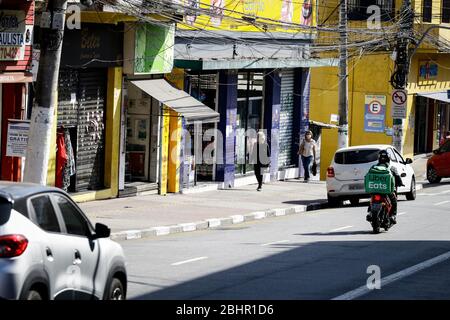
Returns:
(42,115)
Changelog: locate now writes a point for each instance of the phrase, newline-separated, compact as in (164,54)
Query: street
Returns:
(322,254)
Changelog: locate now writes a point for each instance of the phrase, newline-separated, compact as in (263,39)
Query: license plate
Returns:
(356,187)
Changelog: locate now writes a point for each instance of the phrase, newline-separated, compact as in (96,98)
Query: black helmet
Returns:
(383,157)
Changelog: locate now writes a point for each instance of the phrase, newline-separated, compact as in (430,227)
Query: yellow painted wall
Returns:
(175,130)
(265,13)
(112,130)
(51,170)
(164,150)
(175,127)
(370,75)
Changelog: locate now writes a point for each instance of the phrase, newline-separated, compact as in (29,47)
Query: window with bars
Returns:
(427,9)
(445,11)
(357,9)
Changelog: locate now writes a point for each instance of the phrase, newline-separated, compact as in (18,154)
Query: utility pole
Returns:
(42,116)
(399,79)
(343,77)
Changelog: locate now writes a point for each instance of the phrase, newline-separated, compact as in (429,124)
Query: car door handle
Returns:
(77,259)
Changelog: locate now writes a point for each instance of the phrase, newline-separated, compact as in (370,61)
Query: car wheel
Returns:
(33,295)
(432,175)
(116,291)
(333,202)
(411,195)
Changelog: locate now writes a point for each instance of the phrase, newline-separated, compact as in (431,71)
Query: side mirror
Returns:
(409,161)
(437,151)
(101,231)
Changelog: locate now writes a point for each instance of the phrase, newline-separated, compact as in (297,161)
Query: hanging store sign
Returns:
(17,139)
(375,113)
(93,46)
(153,49)
(14,35)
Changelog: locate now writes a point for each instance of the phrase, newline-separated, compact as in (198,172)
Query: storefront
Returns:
(156,112)
(142,135)
(16,29)
(249,117)
(432,120)
(81,139)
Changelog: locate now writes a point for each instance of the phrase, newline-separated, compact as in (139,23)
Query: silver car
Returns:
(49,249)
(345,175)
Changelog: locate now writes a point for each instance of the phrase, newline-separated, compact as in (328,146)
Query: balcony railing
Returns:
(357,9)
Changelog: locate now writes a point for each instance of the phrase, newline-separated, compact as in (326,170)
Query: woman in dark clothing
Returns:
(262,158)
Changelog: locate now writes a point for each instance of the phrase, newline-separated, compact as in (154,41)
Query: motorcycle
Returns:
(380,212)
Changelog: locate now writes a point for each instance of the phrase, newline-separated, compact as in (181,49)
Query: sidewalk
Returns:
(153,215)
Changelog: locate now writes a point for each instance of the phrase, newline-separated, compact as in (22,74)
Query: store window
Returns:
(427,8)
(249,117)
(203,87)
(445,11)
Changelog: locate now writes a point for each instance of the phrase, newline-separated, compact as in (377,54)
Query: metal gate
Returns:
(286,118)
(81,109)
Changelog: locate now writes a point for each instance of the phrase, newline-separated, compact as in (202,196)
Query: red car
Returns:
(438,166)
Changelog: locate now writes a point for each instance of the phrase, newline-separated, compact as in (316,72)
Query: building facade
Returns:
(16,30)
(369,77)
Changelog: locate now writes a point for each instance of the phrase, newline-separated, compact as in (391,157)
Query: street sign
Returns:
(374,115)
(399,99)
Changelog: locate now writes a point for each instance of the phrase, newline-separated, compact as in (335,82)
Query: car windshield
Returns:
(356,156)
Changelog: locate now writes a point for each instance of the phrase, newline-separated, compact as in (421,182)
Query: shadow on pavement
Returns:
(432,185)
(340,233)
(318,270)
(305,202)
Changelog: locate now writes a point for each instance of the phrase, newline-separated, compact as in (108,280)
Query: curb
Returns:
(215,222)
(220,222)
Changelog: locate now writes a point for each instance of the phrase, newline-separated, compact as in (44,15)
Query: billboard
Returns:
(228,15)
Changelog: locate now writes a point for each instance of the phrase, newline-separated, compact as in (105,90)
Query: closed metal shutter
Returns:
(286,118)
(87,117)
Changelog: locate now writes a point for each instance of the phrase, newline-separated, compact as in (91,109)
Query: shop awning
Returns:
(189,107)
(441,96)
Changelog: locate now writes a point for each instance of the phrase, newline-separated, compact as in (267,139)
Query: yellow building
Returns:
(428,111)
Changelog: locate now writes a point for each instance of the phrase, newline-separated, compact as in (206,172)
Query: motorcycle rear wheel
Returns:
(375,225)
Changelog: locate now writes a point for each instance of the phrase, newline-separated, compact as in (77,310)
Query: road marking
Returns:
(275,242)
(342,228)
(440,203)
(401,213)
(188,261)
(363,290)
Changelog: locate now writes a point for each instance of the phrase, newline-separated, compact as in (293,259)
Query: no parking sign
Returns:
(375,113)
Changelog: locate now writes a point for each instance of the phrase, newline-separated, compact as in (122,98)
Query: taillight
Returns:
(330,172)
(376,198)
(12,245)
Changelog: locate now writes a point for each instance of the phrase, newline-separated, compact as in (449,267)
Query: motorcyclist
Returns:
(384,160)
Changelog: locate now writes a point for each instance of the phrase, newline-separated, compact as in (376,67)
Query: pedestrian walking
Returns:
(307,151)
(262,158)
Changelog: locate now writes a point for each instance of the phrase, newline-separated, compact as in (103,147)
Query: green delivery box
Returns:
(379,180)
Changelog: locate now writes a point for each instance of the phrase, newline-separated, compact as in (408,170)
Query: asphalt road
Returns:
(319,255)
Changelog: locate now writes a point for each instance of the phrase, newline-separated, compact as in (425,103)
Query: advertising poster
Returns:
(17,139)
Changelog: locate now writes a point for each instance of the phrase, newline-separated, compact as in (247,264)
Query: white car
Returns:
(345,175)
(49,249)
